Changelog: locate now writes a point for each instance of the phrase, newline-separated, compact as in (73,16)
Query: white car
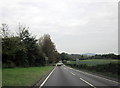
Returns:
(59,64)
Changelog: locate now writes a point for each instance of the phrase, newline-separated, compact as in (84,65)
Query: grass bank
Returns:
(23,76)
(105,67)
(94,62)
(0,77)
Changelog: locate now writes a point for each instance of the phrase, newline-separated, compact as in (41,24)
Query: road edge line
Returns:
(95,75)
(87,82)
(47,78)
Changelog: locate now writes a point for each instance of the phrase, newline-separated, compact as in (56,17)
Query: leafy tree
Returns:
(4,31)
(48,48)
(65,56)
(30,44)
(23,50)
(14,52)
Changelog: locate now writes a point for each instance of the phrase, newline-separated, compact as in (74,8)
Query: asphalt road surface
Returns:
(66,76)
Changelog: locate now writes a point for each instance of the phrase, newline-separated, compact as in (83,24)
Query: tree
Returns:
(30,43)
(4,31)
(13,52)
(48,48)
(23,50)
(65,56)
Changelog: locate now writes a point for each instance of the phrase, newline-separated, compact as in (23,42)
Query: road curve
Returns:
(65,76)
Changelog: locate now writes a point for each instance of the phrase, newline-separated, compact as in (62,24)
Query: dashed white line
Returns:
(72,73)
(88,83)
(64,68)
(94,75)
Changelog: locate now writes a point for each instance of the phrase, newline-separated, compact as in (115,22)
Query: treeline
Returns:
(66,56)
(106,56)
(24,50)
(110,67)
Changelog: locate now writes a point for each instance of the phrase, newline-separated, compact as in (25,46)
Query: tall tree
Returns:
(24,50)
(4,31)
(48,48)
(30,43)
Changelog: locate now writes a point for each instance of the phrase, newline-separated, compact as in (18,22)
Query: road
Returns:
(66,76)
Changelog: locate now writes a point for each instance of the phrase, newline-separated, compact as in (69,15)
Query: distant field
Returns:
(107,67)
(23,76)
(93,62)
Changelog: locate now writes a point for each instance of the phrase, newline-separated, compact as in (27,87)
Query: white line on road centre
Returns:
(64,68)
(47,78)
(72,73)
(88,83)
(94,75)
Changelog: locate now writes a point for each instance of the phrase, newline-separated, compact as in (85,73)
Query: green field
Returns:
(106,67)
(93,62)
(23,76)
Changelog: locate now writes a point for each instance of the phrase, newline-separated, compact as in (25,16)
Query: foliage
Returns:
(106,66)
(65,56)
(48,48)
(23,50)
(73,57)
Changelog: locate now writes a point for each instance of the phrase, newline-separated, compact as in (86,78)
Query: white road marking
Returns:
(94,75)
(88,83)
(47,78)
(72,73)
(64,68)
(99,77)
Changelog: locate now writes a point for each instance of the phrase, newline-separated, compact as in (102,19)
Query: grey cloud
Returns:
(83,25)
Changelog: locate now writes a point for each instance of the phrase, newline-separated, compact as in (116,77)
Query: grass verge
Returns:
(94,62)
(108,68)
(23,76)
(101,74)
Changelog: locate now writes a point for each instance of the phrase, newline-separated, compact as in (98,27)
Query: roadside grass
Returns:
(105,74)
(105,67)
(102,74)
(23,76)
(0,77)
(94,62)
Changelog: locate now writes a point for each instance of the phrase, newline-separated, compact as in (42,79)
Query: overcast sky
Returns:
(75,26)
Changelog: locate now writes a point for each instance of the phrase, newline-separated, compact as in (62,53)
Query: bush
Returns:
(113,68)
